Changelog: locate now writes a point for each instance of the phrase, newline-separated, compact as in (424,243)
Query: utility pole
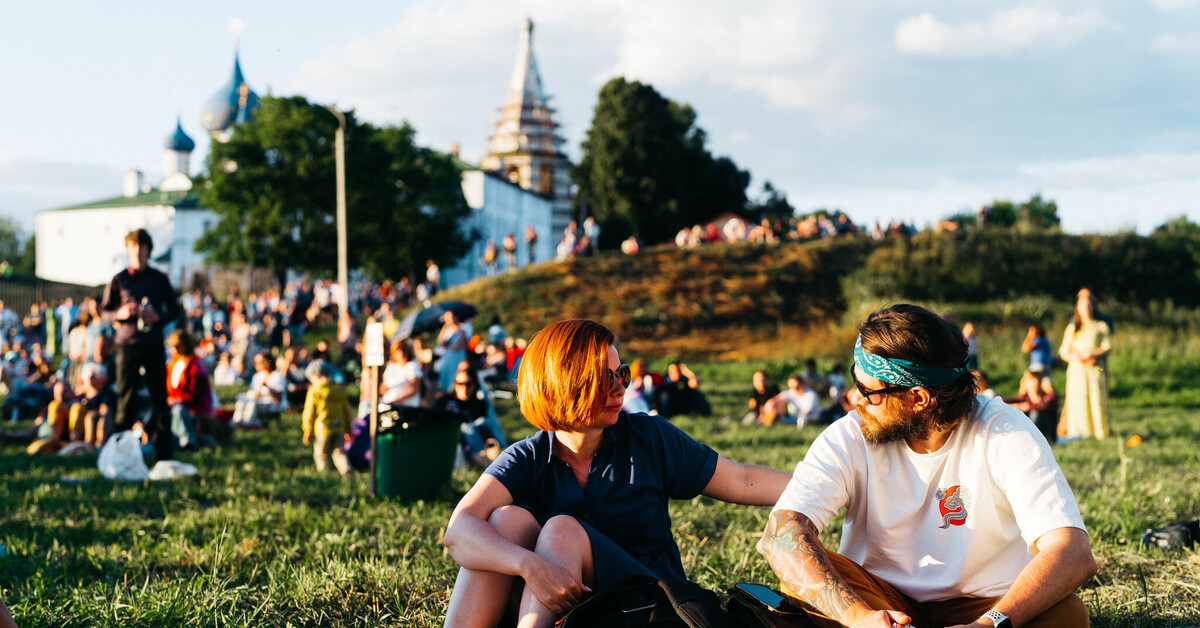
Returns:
(339,151)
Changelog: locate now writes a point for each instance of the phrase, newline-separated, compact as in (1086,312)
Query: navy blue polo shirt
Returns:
(643,463)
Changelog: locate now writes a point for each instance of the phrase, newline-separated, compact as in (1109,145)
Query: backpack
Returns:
(758,606)
(642,602)
(1175,537)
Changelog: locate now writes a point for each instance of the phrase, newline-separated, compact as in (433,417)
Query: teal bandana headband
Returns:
(903,372)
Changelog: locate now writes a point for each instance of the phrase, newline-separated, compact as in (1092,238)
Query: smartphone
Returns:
(639,598)
(765,595)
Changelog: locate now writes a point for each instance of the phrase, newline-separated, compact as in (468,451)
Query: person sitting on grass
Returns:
(763,391)
(477,432)
(581,505)
(955,510)
(327,415)
(91,417)
(1037,399)
(679,393)
(266,394)
(53,423)
(400,384)
(798,405)
(191,398)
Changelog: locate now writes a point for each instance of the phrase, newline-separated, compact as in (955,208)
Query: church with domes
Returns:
(523,181)
(84,244)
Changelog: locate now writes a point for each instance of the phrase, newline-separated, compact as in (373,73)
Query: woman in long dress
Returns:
(1084,348)
(453,342)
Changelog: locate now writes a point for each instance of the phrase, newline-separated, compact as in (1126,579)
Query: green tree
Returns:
(409,209)
(645,168)
(26,262)
(273,188)
(21,256)
(1037,214)
(771,204)
(1178,226)
(10,240)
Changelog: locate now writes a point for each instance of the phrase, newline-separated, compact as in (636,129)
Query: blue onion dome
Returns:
(235,102)
(179,141)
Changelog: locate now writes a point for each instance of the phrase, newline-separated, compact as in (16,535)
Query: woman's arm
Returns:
(476,545)
(1064,350)
(746,483)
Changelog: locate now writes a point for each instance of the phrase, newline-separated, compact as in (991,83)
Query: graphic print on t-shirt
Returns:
(952,505)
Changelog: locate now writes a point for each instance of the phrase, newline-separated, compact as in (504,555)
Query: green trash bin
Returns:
(415,452)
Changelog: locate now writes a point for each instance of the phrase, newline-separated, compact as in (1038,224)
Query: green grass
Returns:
(259,538)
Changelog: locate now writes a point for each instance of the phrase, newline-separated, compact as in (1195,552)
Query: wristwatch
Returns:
(1000,620)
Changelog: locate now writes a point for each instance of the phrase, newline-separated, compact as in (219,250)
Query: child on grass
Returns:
(327,415)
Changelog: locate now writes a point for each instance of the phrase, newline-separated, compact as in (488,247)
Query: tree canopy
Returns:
(645,168)
(19,255)
(1036,214)
(771,203)
(272,186)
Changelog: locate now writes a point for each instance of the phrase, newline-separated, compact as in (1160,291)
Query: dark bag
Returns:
(1178,536)
(748,608)
(646,603)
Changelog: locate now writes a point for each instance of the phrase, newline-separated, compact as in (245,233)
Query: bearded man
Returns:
(956,511)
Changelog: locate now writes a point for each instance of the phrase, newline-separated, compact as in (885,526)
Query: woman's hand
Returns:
(553,586)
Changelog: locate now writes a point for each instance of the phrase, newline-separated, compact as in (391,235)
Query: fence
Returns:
(20,291)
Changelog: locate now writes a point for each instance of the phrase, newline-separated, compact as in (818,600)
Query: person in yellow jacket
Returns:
(327,414)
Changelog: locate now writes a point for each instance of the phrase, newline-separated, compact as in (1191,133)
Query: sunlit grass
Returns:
(260,538)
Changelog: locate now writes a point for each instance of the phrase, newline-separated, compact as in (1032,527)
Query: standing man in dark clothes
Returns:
(138,302)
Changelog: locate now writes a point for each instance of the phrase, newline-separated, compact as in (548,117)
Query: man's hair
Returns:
(562,372)
(141,237)
(913,333)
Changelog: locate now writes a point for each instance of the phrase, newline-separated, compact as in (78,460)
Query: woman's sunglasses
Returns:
(622,374)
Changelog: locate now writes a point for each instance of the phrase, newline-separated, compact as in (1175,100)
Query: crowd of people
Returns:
(582,505)
(139,357)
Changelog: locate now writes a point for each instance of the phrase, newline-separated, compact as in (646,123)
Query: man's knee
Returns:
(515,524)
(1068,613)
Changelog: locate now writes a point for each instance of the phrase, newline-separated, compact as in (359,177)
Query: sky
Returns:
(908,109)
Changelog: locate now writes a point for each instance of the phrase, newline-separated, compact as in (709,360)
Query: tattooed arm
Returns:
(791,546)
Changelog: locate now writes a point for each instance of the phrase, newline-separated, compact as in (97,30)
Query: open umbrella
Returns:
(430,318)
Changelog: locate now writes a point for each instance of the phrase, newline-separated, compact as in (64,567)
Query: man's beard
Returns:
(901,424)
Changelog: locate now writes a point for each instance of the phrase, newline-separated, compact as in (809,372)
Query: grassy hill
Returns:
(750,301)
(721,300)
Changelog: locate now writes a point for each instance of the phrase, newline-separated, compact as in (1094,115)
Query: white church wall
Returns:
(501,208)
(87,246)
(190,224)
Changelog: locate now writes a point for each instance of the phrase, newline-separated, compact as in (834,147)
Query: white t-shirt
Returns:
(397,377)
(274,381)
(803,407)
(956,522)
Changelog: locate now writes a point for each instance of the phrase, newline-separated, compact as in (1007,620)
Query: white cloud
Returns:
(1188,43)
(1118,171)
(1004,32)
(778,49)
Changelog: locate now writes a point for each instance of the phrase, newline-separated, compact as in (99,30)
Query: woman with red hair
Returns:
(581,505)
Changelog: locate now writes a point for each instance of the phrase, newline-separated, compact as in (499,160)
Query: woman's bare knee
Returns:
(562,531)
(516,524)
